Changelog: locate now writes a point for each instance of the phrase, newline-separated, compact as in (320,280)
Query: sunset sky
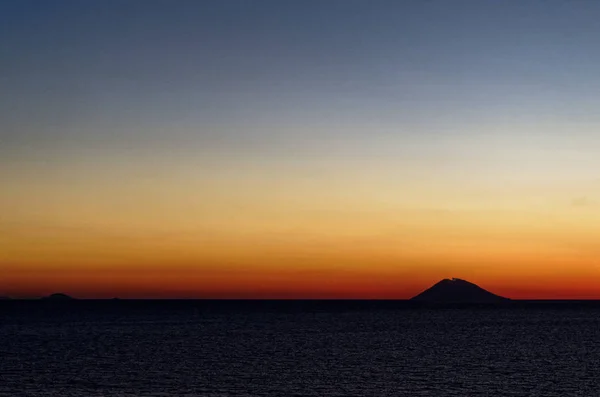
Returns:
(299,149)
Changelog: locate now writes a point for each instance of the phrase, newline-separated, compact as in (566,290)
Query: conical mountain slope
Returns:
(457,291)
(58,297)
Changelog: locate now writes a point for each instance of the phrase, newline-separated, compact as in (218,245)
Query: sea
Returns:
(298,348)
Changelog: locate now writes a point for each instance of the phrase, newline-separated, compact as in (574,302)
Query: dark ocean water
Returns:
(215,349)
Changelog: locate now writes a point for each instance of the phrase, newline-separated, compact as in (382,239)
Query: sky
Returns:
(299,149)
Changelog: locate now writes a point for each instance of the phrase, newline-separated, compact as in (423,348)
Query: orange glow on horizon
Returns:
(293,283)
(278,234)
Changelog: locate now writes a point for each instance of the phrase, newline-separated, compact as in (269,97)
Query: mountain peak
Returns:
(456,290)
(59,296)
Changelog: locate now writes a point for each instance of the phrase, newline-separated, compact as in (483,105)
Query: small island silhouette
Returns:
(58,297)
(455,290)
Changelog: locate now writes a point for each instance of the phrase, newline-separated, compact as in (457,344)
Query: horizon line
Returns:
(507,301)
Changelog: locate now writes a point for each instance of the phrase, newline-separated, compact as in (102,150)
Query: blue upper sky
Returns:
(75,71)
(492,88)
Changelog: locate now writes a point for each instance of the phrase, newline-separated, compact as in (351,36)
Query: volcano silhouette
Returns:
(456,290)
(58,297)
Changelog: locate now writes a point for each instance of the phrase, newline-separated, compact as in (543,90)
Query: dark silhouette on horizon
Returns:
(58,297)
(456,290)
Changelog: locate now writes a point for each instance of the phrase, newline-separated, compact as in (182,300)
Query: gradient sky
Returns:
(315,149)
